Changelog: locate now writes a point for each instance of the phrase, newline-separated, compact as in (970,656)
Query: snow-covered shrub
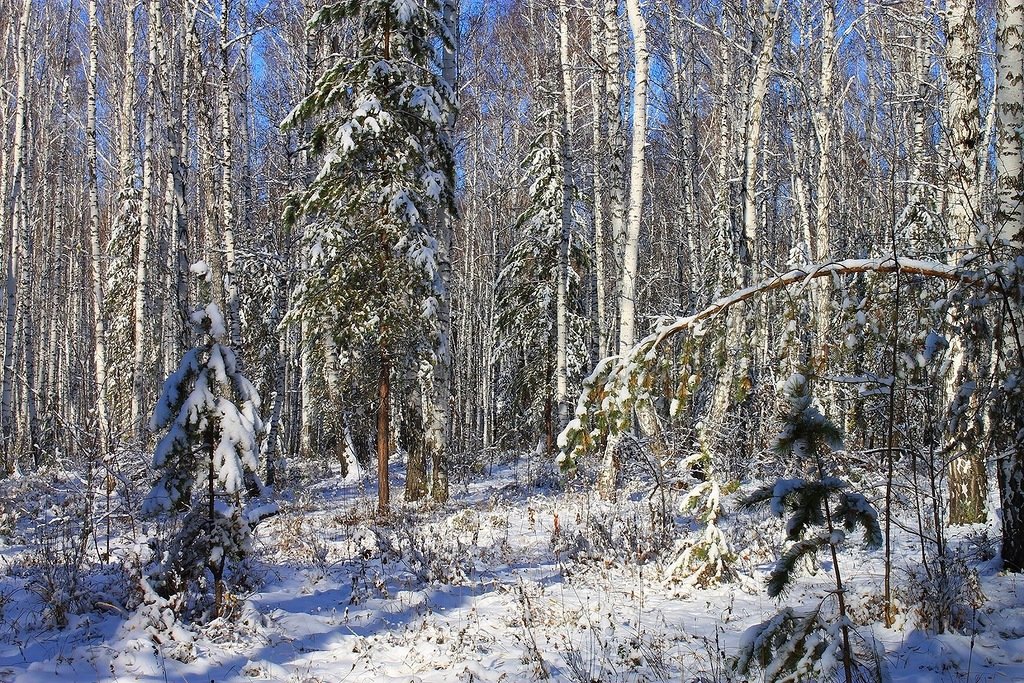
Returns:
(432,555)
(208,413)
(52,513)
(942,596)
(708,559)
(56,566)
(619,534)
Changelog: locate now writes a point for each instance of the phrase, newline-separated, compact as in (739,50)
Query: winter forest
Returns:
(512,340)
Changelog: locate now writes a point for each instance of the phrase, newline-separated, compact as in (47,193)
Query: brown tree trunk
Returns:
(383,434)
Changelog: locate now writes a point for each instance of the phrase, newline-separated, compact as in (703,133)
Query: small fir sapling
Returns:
(208,413)
(819,511)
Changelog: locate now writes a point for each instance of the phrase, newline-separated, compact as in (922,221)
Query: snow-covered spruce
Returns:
(375,284)
(209,415)
(528,294)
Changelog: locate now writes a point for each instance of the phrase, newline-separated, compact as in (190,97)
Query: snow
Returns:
(201,269)
(783,487)
(488,588)
(429,102)
(405,10)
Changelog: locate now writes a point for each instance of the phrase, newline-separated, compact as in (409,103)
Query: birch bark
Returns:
(561,381)
(13,201)
(139,374)
(227,205)
(631,247)
(1009,229)
(98,274)
(597,144)
(967,481)
(768,20)
(616,144)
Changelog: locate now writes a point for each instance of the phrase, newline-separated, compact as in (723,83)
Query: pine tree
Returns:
(788,644)
(374,282)
(208,413)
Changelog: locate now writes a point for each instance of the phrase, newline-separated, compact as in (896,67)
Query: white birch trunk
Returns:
(177,170)
(596,97)
(823,119)
(963,126)
(607,481)
(13,202)
(631,247)
(751,145)
(98,274)
(305,347)
(1009,123)
(820,241)
(615,140)
(561,315)
(227,206)
(967,484)
(139,373)
(1009,230)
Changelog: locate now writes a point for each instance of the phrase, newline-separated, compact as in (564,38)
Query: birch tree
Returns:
(14,208)
(565,225)
(966,471)
(98,275)
(146,222)
(227,206)
(631,246)
(767,16)
(1009,230)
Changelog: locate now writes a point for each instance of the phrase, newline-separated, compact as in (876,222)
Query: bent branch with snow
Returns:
(612,389)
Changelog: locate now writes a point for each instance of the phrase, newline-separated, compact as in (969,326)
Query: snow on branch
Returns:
(615,384)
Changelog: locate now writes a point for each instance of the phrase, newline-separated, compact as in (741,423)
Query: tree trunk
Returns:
(13,202)
(562,304)
(140,372)
(962,121)
(631,247)
(98,276)
(335,414)
(435,383)
(967,481)
(227,205)
(631,242)
(823,117)
(751,253)
(383,434)
(1010,229)
(616,141)
(597,130)
(413,439)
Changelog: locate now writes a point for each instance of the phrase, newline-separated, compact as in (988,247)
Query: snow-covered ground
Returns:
(507,582)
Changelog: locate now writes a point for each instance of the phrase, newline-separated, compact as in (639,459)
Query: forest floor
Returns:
(507,582)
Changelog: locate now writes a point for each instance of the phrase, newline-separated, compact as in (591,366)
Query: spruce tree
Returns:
(374,281)
(208,413)
(527,293)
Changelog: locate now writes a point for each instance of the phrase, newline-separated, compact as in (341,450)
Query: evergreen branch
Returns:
(782,574)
